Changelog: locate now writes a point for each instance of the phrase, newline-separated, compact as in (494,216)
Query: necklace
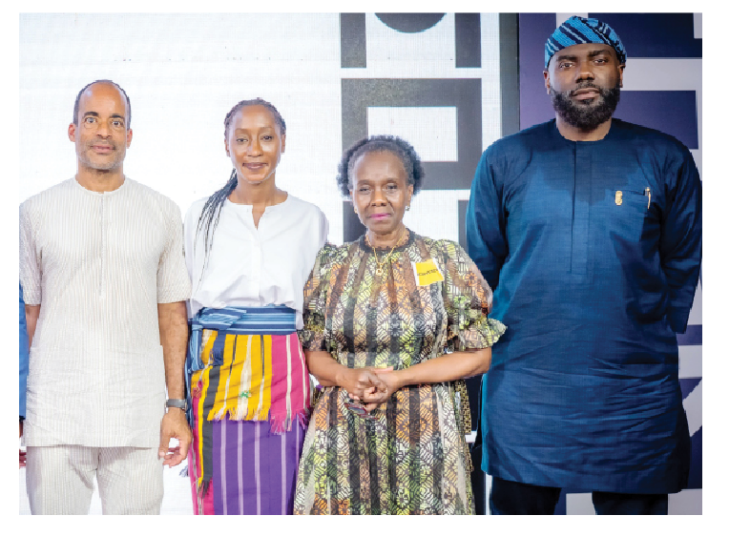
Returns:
(379,269)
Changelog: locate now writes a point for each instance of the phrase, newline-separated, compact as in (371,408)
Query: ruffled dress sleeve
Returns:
(312,336)
(468,301)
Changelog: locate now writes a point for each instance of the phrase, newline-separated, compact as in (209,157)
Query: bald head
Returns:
(87,87)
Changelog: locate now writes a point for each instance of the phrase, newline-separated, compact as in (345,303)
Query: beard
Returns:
(585,115)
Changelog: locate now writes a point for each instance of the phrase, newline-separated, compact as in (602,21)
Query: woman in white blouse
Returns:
(249,249)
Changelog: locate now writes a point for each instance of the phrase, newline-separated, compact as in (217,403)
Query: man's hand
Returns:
(173,333)
(174,424)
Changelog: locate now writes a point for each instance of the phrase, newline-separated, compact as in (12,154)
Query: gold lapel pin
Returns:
(618,197)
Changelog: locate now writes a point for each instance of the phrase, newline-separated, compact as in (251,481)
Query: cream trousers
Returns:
(60,479)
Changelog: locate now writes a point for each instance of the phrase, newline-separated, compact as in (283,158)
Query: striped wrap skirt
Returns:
(250,397)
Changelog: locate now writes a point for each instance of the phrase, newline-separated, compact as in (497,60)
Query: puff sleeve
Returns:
(313,334)
(468,300)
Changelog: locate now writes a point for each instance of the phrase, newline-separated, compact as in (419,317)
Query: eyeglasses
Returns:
(115,123)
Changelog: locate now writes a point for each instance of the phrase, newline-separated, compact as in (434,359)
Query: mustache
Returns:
(584,85)
(101,141)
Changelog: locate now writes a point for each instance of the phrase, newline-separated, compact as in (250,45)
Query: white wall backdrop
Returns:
(183,72)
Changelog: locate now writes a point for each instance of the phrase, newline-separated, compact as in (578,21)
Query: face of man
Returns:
(101,135)
(584,82)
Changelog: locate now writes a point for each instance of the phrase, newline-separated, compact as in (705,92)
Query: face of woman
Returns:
(255,144)
(380,191)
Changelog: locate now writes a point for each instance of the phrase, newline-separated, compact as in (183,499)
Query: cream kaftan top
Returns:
(98,263)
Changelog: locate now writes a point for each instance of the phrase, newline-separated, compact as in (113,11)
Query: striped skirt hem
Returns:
(254,470)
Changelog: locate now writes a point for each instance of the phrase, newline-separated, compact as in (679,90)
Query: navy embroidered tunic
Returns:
(593,252)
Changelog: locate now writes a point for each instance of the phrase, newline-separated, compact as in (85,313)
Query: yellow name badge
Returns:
(426,273)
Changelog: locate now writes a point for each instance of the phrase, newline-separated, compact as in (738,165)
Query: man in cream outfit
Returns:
(105,284)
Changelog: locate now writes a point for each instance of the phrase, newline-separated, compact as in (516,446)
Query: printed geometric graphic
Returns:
(353,40)
(468,40)
(467,31)
(465,95)
(449,147)
(410,22)
(431,130)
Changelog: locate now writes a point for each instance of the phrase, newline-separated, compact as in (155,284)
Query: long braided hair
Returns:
(211,212)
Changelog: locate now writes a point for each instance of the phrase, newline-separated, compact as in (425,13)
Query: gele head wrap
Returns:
(577,30)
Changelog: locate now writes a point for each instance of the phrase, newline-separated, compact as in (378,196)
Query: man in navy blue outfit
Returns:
(588,229)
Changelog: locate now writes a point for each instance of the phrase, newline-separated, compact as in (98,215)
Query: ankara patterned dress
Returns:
(412,456)
(408,302)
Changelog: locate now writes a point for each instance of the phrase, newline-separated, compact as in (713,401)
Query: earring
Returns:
(408,208)
(355,210)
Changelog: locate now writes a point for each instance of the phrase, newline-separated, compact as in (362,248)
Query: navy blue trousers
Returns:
(515,498)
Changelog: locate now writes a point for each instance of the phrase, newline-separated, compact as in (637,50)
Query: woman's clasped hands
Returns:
(370,386)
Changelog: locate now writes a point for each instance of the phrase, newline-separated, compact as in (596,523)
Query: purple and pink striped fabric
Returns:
(250,405)
(254,469)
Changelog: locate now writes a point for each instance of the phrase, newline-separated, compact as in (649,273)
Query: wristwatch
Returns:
(179,403)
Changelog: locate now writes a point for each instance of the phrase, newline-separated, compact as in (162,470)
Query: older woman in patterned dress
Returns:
(393,322)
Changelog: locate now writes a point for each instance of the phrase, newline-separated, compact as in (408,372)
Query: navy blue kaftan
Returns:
(593,252)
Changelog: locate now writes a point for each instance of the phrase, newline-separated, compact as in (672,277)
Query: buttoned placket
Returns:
(581,203)
(102,242)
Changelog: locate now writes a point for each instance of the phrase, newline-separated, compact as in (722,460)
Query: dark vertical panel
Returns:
(509,80)
(462,205)
(695,475)
(472,384)
(468,40)
(353,228)
(655,35)
(533,31)
(353,40)
(478,482)
(671,112)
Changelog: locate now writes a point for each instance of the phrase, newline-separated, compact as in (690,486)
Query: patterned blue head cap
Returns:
(576,31)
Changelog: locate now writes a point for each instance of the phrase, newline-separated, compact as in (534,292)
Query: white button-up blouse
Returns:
(249,266)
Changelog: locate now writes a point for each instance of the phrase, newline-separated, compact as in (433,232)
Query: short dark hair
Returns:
(381,143)
(78,101)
